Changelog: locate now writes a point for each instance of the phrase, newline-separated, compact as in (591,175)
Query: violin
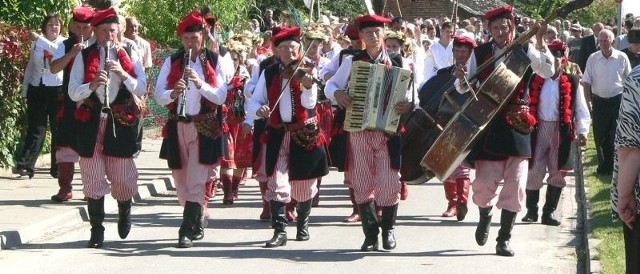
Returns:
(296,70)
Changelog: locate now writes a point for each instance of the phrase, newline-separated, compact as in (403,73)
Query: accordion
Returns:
(375,90)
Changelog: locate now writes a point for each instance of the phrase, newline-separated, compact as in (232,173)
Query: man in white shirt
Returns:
(105,76)
(132,32)
(440,54)
(292,159)
(562,115)
(603,81)
(191,86)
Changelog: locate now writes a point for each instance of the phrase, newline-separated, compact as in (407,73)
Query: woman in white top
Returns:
(41,89)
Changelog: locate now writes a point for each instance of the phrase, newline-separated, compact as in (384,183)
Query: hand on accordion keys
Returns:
(342,98)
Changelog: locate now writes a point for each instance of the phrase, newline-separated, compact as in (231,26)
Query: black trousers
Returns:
(605,120)
(42,104)
(139,133)
(632,246)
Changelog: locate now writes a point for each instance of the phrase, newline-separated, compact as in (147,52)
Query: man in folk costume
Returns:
(456,186)
(192,145)
(294,155)
(338,144)
(559,105)
(503,151)
(66,157)
(106,71)
(257,127)
(238,139)
(375,176)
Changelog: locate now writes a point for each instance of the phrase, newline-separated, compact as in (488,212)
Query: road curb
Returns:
(75,215)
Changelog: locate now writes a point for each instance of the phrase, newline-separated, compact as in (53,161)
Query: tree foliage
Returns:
(598,11)
(30,13)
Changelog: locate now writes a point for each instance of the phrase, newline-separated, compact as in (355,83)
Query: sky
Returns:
(632,6)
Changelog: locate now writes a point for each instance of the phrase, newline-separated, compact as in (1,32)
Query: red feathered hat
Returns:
(557,48)
(82,14)
(192,19)
(462,40)
(505,11)
(352,32)
(104,16)
(371,21)
(286,34)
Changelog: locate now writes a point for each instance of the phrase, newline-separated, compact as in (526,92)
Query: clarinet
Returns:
(182,115)
(106,108)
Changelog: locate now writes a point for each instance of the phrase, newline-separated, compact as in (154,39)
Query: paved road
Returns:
(233,243)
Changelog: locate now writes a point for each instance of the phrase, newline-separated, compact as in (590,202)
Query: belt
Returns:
(193,118)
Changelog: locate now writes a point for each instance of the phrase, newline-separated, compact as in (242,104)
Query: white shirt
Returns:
(78,90)
(438,57)
(38,67)
(606,75)
(541,64)
(259,98)
(225,63)
(145,51)
(217,94)
(335,50)
(549,106)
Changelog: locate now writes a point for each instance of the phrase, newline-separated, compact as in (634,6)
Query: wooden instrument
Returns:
(375,90)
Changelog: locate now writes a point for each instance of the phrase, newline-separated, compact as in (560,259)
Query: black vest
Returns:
(65,136)
(303,164)
(123,145)
(338,146)
(210,149)
(259,125)
(499,140)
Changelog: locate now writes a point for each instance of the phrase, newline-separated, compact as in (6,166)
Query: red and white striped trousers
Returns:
(121,172)
(372,177)
(488,177)
(546,157)
(279,187)
(191,178)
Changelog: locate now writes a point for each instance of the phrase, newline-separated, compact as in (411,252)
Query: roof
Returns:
(478,7)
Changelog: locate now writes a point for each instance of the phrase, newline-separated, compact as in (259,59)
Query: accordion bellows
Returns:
(375,90)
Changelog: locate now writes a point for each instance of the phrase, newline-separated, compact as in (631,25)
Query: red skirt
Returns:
(240,145)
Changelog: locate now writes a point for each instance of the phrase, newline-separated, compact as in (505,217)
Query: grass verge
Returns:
(611,247)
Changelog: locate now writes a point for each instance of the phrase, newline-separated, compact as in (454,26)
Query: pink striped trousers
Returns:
(121,172)
(191,178)
(546,157)
(460,172)
(372,177)
(279,187)
(488,177)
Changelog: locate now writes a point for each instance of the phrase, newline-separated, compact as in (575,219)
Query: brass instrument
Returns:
(182,115)
(106,108)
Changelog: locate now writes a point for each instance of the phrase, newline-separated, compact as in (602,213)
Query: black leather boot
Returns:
(507,220)
(550,205)
(279,224)
(369,221)
(189,217)
(302,223)
(533,196)
(389,214)
(198,228)
(482,231)
(96,217)
(124,218)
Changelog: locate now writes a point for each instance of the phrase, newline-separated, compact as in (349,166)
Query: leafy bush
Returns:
(14,55)
(160,17)
(30,13)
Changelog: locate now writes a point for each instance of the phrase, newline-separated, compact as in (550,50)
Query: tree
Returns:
(598,11)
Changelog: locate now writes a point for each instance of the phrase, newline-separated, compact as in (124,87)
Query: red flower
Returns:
(83,113)
(130,117)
